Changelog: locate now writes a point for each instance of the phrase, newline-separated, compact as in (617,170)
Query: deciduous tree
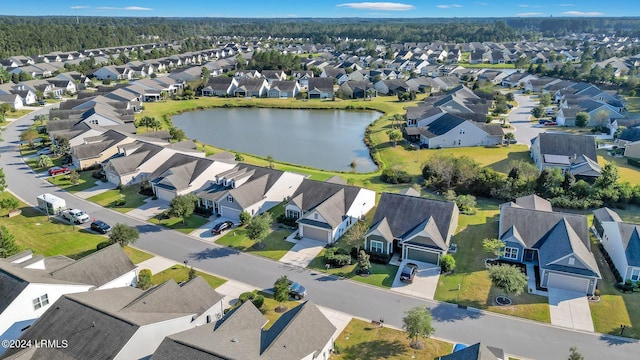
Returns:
(582,119)
(417,323)
(258,227)
(8,245)
(123,234)
(281,291)
(508,278)
(182,206)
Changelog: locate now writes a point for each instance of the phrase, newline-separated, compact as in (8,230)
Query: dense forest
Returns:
(37,35)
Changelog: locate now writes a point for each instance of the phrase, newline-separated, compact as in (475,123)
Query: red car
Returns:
(57,170)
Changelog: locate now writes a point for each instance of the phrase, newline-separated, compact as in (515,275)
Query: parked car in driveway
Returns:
(296,290)
(100,226)
(220,227)
(550,123)
(57,170)
(408,273)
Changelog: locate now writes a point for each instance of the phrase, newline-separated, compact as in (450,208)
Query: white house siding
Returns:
(612,242)
(164,194)
(78,140)
(128,279)
(147,338)
(465,134)
(100,120)
(105,73)
(22,307)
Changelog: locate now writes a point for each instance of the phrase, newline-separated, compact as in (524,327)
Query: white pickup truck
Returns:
(75,215)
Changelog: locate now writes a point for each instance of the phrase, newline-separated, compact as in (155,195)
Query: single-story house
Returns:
(417,228)
(320,88)
(97,149)
(220,86)
(558,243)
(574,153)
(449,130)
(283,89)
(302,333)
(354,89)
(325,211)
(621,240)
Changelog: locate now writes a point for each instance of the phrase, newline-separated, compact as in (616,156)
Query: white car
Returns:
(76,215)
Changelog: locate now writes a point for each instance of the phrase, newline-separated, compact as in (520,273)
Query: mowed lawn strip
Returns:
(361,340)
(133,199)
(381,275)
(180,273)
(275,245)
(137,256)
(190,224)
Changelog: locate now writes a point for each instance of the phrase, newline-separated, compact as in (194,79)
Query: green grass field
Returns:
(136,256)
(130,194)
(361,340)
(381,275)
(274,244)
(180,273)
(190,224)
(85,182)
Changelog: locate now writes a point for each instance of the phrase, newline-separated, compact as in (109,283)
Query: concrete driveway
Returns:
(98,189)
(424,284)
(204,231)
(570,309)
(150,209)
(303,252)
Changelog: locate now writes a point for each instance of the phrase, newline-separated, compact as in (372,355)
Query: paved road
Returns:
(515,336)
(519,118)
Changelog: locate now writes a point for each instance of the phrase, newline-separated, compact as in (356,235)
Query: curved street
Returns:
(519,118)
(516,336)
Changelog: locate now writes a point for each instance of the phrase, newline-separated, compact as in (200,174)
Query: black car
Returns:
(408,272)
(220,227)
(100,226)
(296,290)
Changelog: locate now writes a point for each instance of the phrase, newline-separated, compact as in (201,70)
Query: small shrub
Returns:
(596,292)
(379,258)
(144,279)
(288,221)
(246,296)
(337,257)
(447,263)
(120,202)
(103,245)
(394,176)
(258,301)
(244,218)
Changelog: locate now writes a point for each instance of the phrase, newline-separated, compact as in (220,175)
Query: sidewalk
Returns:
(156,264)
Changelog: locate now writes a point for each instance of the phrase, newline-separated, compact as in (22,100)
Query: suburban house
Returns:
(256,87)
(302,333)
(558,243)
(573,153)
(392,87)
(417,228)
(248,188)
(320,88)
(354,89)
(448,130)
(112,72)
(283,89)
(181,174)
(477,351)
(566,115)
(629,140)
(123,323)
(621,240)
(30,283)
(14,100)
(97,149)
(325,211)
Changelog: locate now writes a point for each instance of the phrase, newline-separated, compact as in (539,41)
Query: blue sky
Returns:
(324,8)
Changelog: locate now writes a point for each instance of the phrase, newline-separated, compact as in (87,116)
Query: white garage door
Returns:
(164,194)
(570,283)
(230,213)
(315,233)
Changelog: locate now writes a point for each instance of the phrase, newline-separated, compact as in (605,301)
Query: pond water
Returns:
(323,139)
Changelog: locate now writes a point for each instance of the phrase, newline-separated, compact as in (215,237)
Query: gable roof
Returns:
(180,170)
(477,351)
(567,145)
(442,125)
(331,200)
(95,145)
(630,134)
(534,202)
(562,241)
(630,237)
(299,332)
(407,214)
(321,84)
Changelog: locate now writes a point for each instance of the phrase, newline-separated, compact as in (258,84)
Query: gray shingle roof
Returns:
(568,145)
(405,214)
(630,236)
(534,202)
(180,170)
(630,134)
(97,145)
(312,193)
(477,351)
(441,125)
(299,332)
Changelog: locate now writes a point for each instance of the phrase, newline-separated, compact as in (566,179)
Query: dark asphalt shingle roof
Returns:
(630,236)
(568,145)
(441,125)
(630,134)
(477,351)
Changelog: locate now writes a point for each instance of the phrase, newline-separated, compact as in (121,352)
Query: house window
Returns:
(315,216)
(40,302)
(511,253)
(230,198)
(635,275)
(376,246)
(293,214)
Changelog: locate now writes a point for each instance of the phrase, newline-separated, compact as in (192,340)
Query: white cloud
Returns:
(137,8)
(75,7)
(384,6)
(448,6)
(582,13)
(529,14)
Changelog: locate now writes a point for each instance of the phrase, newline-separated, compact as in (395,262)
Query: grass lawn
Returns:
(275,245)
(191,223)
(130,193)
(476,289)
(180,273)
(33,231)
(615,308)
(360,340)
(381,275)
(136,256)
(627,172)
(85,182)
(633,103)
(268,309)
(32,162)
(18,113)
